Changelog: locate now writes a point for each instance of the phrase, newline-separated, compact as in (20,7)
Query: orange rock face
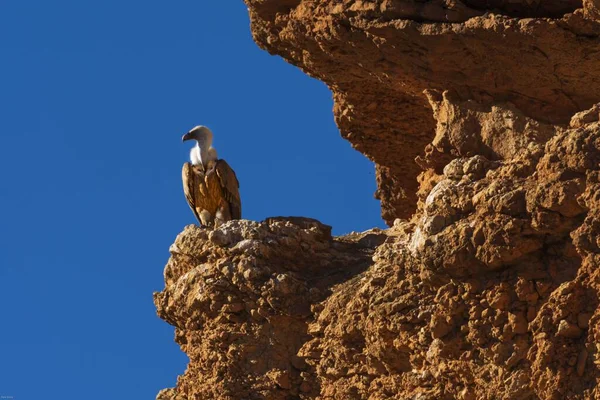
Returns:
(379,56)
(481,118)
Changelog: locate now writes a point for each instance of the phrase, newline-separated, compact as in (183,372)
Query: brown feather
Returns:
(190,185)
(230,186)
(212,192)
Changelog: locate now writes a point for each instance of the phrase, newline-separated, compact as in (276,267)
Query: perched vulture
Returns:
(210,185)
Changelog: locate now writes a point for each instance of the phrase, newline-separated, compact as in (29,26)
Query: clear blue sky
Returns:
(94,98)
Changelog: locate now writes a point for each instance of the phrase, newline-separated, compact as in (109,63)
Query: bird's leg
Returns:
(206,218)
(222,215)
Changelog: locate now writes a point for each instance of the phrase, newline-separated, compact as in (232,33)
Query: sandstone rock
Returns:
(482,120)
(439,327)
(168,394)
(379,56)
(568,329)
(252,306)
(583,320)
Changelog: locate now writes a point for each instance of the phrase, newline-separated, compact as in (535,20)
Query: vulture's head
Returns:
(201,134)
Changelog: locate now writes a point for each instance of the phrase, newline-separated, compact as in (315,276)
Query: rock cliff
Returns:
(482,120)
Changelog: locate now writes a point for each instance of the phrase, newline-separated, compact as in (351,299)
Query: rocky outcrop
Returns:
(241,298)
(482,120)
(379,56)
(489,293)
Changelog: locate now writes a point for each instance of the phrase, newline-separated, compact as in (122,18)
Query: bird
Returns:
(210,185)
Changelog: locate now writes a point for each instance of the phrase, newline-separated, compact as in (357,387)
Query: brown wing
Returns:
(190,187)
(230,186)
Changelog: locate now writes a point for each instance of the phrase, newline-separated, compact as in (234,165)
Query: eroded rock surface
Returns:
(241,297)
(482,119)
(379,56)
(488,293)
(491,291)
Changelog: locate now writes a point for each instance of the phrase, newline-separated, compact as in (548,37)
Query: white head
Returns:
(201,134)
(203,152)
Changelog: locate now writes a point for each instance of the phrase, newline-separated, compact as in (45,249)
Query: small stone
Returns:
(219,238)
(423,315)
(518,323)
(251,273)
(315,329)
(500,301)
(475,312)
(435,350)
(454,169)
(567,329)
(439,327)
(227,270)
(434,224)
(246,245)
(281,379)
(500,319)
(514,358)
(233,307)
(565,288)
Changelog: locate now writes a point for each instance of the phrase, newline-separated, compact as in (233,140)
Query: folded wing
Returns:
(192,182)
(230,186)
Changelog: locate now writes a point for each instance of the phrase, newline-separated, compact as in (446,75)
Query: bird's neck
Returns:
(203,152)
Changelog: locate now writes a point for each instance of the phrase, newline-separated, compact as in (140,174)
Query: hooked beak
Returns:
(185,137)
